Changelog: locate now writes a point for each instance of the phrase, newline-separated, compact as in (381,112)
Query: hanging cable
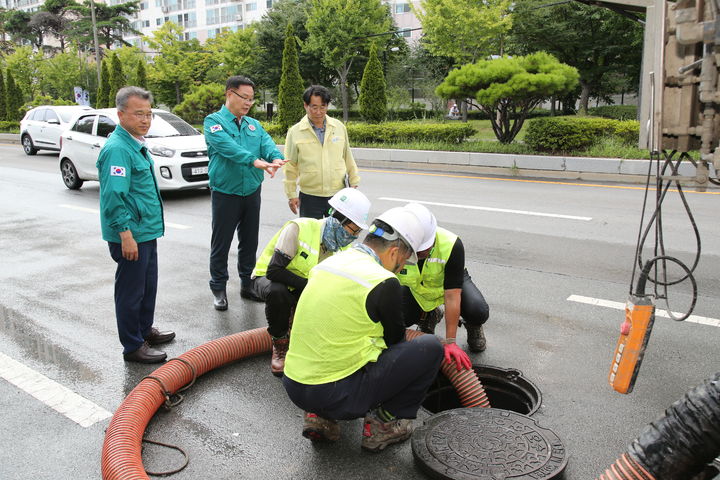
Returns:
(660,260)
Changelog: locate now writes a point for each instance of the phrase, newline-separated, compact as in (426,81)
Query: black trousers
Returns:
(279,304)
(398,382)
(230,214)
(474,310)
(313,207)
(135,293)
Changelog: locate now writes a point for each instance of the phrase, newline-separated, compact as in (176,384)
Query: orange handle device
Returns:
(634,336)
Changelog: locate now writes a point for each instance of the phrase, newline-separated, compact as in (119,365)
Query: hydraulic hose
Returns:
(122,454)
(680,444)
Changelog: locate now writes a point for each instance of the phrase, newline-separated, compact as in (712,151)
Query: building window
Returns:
(269,3)
(405,33)
(249,7)
(402,7)
(147,23)
(212,18)
(158,21)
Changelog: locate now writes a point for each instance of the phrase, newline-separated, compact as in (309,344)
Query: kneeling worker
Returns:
(282,270)
(348,357)
(440,277)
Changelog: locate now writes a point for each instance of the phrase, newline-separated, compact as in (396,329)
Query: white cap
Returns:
(428,221)
(406,225)
(353,204)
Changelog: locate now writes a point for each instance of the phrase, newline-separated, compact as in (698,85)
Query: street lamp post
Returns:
(95,39)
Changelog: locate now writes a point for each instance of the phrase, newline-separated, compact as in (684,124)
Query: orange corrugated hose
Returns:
(626,468)
(121,453)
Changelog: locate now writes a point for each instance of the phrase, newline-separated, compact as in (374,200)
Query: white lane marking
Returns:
(177,226)
(78,409)
(491,209)
(713,322)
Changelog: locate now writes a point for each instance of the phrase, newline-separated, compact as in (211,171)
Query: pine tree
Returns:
(373,98)
(141,75)
(3,98)
(117,79)
(290,90)
(104,88)
(14,99)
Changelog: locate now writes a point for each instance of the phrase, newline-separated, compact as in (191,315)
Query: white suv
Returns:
(177,148)
(41,126)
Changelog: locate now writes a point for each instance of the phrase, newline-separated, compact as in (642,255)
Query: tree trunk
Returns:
(552,106)
(463,109)
(177,92)
(584,98)
(342,77)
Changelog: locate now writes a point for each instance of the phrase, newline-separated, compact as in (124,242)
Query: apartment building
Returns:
(203,19)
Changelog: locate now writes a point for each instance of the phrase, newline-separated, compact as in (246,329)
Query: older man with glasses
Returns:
(320,162)
(240,152)
(131,214)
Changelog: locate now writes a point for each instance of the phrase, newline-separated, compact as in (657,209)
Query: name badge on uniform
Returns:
(215,128)
(117,171)
(251,128)
(335,139)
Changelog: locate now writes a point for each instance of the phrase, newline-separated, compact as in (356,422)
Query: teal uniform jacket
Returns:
(232,152)
(129,195)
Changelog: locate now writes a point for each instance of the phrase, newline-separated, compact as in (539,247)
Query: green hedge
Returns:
(564,134)
(616,112)
(6,126)
(390,132)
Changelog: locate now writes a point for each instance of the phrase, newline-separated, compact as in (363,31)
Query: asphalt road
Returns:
(531,245)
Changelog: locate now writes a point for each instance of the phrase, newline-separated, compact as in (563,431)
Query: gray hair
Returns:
(124,94)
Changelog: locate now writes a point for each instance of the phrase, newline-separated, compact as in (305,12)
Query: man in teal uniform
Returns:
(131,214)
(240,152)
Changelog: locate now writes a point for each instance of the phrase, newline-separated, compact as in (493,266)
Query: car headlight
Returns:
(161,151)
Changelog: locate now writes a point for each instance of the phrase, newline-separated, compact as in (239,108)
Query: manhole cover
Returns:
(487,444)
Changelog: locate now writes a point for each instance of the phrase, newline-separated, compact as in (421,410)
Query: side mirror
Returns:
(54,121)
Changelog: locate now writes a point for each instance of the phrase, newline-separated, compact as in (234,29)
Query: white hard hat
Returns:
(406,225)
(353,204)
(427,219)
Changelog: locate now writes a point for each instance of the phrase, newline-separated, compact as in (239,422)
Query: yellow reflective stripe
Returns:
(340,273)
(308,247)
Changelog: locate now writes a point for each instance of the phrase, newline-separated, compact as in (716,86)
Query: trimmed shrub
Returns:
(373,98)
(616,112)
(274,129)
(480,115)
(564,134)
(408,132)
(203,100)
(290,90)
(6,126)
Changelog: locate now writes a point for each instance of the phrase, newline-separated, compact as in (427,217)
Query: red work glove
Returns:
(453,353)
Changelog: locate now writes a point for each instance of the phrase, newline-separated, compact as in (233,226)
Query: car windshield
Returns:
(166,124)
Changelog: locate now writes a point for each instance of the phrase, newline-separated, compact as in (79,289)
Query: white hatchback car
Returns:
(41,127)
(177,148)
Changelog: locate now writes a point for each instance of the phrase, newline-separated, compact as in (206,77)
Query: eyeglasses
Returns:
(143,116)
(317,108)
(243,97)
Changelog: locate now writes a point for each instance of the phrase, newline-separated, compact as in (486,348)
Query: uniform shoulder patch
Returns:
(216,128)
(117,171)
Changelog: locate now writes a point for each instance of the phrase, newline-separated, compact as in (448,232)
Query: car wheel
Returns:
(69,175)
(28,146)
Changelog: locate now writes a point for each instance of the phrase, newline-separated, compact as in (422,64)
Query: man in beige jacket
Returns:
(318,156)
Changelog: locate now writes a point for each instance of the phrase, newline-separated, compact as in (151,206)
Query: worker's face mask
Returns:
(334,236)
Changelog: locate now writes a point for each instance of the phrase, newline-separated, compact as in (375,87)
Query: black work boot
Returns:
(428,320)
(476,338)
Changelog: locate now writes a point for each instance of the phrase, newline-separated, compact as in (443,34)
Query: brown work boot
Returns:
(320,429)
(279,350)
(476,338)
(377,434)
(428,320)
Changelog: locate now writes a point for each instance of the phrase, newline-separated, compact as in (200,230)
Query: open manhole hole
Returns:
(506,388)
(487,444)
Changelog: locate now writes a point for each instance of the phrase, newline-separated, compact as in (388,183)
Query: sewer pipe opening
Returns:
(506,388)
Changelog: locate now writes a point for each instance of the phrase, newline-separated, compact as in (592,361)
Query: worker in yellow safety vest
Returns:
(348,356)
(282,270)
(440,278)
